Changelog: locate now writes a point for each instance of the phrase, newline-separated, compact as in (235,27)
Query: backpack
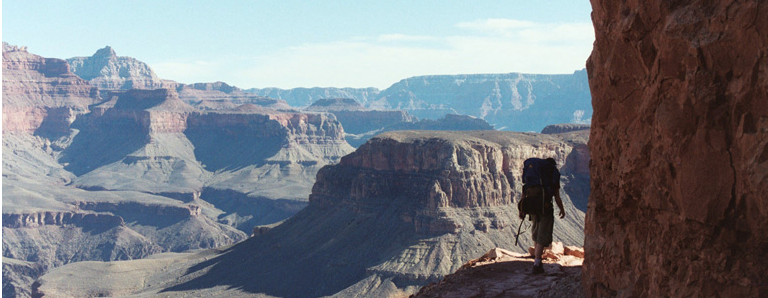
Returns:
(534,182)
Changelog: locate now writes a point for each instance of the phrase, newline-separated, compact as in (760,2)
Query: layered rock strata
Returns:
(361,123)
(41,95)
(140,171)
(679,146)
(513,101)
(357,119)
(403,210)
(220,96)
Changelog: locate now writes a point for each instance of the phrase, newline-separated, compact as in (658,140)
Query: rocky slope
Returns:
(403,210)
(679,145)
(167,147)
(107,71)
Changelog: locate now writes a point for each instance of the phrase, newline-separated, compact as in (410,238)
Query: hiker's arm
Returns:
(559,203)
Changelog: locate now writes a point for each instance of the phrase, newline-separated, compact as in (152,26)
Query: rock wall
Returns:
(679,145)
(41,91)
(434,170)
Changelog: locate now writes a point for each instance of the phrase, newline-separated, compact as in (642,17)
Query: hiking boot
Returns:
(538,269)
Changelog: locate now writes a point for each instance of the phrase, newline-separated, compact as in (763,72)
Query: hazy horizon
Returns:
(291,44)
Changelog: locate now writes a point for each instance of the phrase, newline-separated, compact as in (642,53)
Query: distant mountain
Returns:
(360,124)
(109,72)
(514,101)
(222,96)
(303,97)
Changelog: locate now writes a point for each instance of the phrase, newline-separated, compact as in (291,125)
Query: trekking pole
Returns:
(518,230)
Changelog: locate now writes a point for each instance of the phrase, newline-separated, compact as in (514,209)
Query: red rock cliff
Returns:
(41,92)
(679,145)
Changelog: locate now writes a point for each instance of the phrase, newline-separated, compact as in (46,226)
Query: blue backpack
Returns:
(538,179)
(533,172)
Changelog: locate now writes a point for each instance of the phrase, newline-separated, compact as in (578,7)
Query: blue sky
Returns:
(290,44)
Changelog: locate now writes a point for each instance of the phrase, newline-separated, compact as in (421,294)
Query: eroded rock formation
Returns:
(403,210)
(107,71)
(123,174)
(679,147)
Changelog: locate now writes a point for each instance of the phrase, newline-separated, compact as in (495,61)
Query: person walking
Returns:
(542,176)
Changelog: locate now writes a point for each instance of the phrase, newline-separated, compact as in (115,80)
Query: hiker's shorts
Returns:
(542,228)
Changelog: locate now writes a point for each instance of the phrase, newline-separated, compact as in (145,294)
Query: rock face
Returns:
(40,95)
(107,71)
(679,145)
(403,210)
(520,102)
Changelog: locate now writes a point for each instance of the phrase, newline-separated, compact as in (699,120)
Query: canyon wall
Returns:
(679,145)
(40,95)
(124,174)
(360,123)
(513,101)
(403,210)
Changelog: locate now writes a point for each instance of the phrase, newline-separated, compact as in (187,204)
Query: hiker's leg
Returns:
(538,251)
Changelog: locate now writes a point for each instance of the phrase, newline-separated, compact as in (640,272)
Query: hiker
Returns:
(541,179)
